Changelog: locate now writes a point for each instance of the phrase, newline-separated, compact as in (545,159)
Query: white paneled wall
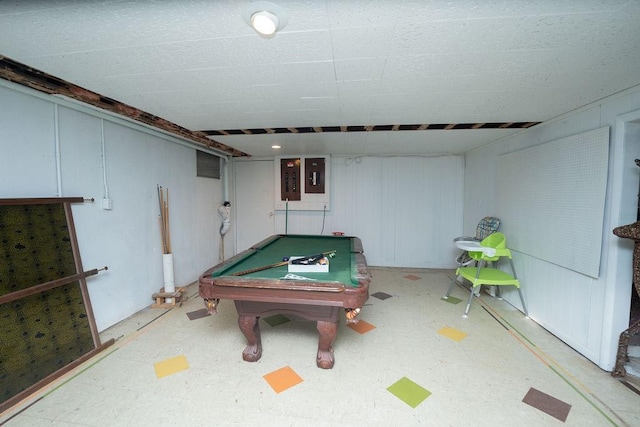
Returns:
(126,238)
(587,313)
(406,210)
(27,142)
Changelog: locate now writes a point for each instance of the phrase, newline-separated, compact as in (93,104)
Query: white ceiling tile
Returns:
(362,42)
(197,63)
(363,13)
(359,69)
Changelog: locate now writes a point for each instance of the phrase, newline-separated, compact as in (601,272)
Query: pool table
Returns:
(317,296)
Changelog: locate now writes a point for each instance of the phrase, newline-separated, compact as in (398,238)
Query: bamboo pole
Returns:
(163,203)
(167,230)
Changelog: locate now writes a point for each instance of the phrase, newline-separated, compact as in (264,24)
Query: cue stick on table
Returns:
(277,264)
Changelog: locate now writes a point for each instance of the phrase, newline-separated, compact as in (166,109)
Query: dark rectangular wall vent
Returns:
(208,165)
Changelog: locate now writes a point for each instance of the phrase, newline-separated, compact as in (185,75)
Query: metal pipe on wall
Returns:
(104,160)
(225,178)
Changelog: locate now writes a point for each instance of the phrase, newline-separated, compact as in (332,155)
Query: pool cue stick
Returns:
(267,267)
(264,267)
(286,216)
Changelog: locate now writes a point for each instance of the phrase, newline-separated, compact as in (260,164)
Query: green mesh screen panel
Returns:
(43,332)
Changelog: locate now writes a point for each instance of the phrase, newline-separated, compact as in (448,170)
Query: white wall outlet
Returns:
(107,204)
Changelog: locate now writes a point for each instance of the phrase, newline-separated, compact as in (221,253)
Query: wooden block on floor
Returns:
(177,297)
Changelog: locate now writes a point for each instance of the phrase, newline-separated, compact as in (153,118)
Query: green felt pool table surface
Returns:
(342,267)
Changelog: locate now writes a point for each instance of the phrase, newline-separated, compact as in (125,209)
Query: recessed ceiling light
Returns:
(265,18)
(276,147)
(265,22)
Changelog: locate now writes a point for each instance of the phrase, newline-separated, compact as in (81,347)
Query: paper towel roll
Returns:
(167,270)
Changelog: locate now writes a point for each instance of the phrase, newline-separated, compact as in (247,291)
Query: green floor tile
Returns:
(452,300)
(276,320)
(409,392)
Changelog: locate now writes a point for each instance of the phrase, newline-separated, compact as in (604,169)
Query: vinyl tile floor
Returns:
(411,360)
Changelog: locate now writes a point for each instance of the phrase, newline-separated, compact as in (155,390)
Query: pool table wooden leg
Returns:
(250,327)
(328,332)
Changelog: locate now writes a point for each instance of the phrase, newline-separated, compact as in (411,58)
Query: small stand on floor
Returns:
(175,298)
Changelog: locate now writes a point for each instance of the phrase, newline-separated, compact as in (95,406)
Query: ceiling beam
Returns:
(374,128)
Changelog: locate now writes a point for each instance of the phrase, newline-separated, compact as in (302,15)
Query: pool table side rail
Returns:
(361,268)
(230,287)
(293,285)
(285,296)
(348,297)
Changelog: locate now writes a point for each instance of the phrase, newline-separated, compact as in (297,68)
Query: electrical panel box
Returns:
(302,183)
(290,179)
(314,172)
